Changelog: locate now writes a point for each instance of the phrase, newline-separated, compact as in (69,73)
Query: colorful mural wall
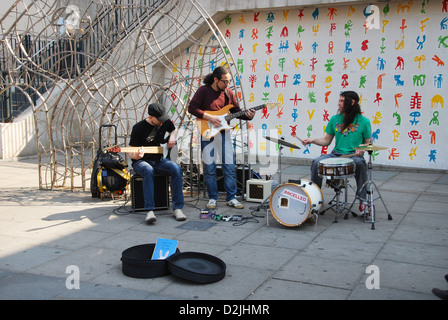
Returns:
(304,57)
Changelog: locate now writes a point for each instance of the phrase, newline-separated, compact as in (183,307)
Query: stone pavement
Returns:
(43,232)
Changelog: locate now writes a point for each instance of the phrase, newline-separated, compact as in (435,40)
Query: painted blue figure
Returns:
(432,155)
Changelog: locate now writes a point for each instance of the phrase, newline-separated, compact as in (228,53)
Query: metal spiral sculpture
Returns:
(78,67)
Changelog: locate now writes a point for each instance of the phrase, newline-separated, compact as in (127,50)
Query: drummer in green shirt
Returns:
(351,129)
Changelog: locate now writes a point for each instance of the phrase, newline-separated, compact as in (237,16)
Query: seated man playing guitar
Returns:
(151,132)
(206,105)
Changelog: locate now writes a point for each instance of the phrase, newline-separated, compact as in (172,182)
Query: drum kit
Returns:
(292,204)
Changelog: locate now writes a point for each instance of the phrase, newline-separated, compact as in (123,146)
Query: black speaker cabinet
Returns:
(239,177)
(161,193)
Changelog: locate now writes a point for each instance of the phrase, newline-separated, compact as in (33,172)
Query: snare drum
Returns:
(292,204)
(336,168)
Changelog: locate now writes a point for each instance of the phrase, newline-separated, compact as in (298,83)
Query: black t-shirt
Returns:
(146,135)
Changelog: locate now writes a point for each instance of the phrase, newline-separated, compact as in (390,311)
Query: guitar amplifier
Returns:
(161,193)
(240,171)
(258,190)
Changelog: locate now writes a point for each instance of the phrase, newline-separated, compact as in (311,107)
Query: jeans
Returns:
(147,169)
(360,171)
(210,148)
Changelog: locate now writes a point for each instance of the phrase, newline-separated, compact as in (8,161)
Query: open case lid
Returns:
(197,267)
(137,263)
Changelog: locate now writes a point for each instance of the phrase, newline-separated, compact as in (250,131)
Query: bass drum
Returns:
(291,204)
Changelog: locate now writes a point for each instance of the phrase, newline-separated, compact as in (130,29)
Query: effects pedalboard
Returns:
(211,214)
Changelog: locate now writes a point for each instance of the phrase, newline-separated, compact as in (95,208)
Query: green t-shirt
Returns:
(352,136)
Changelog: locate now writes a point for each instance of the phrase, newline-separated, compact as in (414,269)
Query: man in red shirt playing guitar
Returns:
(209,104)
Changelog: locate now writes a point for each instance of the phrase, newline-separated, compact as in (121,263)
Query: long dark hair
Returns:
(350,111)
(218,73)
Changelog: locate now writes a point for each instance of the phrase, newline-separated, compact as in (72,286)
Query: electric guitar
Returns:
(152,149)
(208,130)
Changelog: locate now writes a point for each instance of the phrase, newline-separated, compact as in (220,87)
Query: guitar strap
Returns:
(152,134)
(227,98)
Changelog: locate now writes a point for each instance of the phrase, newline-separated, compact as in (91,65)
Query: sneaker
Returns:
(179,215)
(363,208)
(150,217)
(211,204)
(235,204)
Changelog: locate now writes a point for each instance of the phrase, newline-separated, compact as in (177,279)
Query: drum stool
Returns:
(337,171)
(339,206)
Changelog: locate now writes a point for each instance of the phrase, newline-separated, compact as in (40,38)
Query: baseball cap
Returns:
(157,111)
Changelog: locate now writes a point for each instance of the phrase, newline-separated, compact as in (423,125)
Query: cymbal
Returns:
(282,142)
(370,147)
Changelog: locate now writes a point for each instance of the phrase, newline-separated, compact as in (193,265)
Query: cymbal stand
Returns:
(280,161)
(369,217)
(339,206)
(279,181)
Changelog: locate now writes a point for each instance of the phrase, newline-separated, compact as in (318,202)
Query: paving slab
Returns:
(279,289)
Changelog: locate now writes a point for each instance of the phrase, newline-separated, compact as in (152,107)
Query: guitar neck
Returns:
(153,150)
(242,112)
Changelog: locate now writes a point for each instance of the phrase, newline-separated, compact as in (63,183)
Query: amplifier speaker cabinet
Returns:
(258,190)
(161,193)
(239,177)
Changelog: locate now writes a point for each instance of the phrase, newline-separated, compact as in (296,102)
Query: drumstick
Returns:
(298,138)
(348,155)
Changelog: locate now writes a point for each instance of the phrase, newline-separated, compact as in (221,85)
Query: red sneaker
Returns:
(363,208)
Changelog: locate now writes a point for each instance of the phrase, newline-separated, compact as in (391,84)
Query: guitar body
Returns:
(208,130)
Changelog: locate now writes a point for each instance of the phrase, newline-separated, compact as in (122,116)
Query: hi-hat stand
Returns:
(369,216)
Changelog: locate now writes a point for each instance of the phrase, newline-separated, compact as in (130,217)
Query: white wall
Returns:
(427,152)
(18,138)
(402,84)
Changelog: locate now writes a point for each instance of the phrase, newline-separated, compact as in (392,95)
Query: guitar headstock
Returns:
(272,105)
(113,149)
